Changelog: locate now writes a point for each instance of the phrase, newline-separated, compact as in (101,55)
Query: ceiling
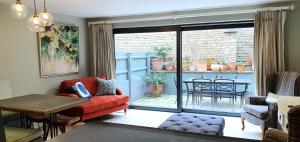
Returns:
(113,8)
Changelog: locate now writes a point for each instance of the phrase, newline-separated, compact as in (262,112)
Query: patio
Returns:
(169,101)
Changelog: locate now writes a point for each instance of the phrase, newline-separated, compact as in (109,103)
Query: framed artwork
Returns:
(59,50)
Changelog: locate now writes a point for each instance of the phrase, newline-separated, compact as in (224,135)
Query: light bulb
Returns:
(18,10)
(46,18)
(34,23)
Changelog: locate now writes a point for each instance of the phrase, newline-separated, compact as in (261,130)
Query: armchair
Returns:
(260,112)
(274,135)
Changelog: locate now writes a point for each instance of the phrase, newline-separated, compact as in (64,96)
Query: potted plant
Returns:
(161,53)
(224,66)
(232,66)
(215,66)
(155,82)
(169,65)
(202,66)
(240,67)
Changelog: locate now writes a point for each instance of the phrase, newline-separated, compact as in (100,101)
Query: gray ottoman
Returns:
(195,123)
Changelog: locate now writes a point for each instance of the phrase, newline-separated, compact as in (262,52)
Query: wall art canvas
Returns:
(59,50)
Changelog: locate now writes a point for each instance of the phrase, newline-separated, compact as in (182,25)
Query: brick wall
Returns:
(227,44)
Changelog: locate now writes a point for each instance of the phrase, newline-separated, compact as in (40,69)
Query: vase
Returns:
(156,90)
(156,64)
(215,67)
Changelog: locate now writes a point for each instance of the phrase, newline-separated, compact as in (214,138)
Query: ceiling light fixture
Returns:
(45,17)
(18,10)
(34,23)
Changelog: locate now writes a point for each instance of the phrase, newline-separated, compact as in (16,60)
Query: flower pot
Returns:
(202,66)
(232,66)
(241,68)
(185,65)
(215,67)
(224,68)
(156,90)
(157,64)
(169,67)
(209,62)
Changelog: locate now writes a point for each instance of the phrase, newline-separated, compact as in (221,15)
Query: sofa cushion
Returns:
(98,103)
(89,83)
(105,87)
(260,111)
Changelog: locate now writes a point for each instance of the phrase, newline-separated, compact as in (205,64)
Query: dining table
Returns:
(37,104)
(237,82)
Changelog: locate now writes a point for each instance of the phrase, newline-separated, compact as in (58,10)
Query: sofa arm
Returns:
(274,135)
(68,95)
(119,92)
(256,100)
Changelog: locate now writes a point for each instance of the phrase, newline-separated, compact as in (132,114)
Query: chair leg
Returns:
(243,123)
(187,99)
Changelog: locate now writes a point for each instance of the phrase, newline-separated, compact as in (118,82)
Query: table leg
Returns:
(51,127)
(2,131)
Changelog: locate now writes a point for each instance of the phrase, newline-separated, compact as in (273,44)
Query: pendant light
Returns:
(34,23)
(18,10)
(45,17)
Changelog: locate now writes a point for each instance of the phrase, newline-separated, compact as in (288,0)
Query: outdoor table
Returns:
(37,104)
(237,82)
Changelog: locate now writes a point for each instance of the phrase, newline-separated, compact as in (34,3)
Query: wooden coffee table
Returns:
(37,104)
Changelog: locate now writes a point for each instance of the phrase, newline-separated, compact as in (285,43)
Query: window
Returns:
(148,61)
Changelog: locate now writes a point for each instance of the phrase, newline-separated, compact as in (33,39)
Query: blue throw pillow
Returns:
(70,90)
(81,91)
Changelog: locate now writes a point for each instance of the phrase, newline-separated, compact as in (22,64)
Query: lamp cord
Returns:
(44,4)
(34,6)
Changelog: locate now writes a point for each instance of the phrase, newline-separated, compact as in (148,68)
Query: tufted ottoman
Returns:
(195,123)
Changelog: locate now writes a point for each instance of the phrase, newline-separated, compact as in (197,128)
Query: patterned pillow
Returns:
(106,87)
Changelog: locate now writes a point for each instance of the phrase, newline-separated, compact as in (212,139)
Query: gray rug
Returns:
(109,132)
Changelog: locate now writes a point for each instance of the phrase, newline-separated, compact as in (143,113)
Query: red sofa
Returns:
(98,105)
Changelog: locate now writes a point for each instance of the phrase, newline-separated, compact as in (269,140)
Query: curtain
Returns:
(269,47)
(103,60)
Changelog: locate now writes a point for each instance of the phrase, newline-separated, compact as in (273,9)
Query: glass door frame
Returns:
(179,29)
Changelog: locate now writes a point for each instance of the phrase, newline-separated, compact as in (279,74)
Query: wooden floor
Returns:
(155,118)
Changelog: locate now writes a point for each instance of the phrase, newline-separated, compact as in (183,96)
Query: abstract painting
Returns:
(59,50)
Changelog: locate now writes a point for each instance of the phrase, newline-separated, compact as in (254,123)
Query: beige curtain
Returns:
(269,46)
(103,61)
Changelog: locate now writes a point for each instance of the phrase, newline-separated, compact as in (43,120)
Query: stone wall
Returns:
(223,44)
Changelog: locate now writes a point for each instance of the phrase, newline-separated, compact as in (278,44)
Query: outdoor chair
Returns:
(202,88)
(224,88)
(188,91)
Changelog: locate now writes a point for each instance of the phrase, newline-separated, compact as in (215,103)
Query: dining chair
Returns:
(202,88)
(224,88)
(188,90)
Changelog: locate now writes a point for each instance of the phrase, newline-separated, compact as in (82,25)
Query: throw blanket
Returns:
(287,83)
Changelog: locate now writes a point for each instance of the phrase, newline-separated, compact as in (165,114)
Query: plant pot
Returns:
(185,65)
(209,62)
(241,68)
(156,90)
(232,66)
(224,68)
(169,67)
(202,66)
(215,67)
(157,64)
(192,67)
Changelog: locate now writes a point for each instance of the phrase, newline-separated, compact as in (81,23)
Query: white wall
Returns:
(19,60)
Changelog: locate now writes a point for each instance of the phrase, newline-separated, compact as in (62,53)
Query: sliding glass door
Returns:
(178,68)
(146,68)
(217,66)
